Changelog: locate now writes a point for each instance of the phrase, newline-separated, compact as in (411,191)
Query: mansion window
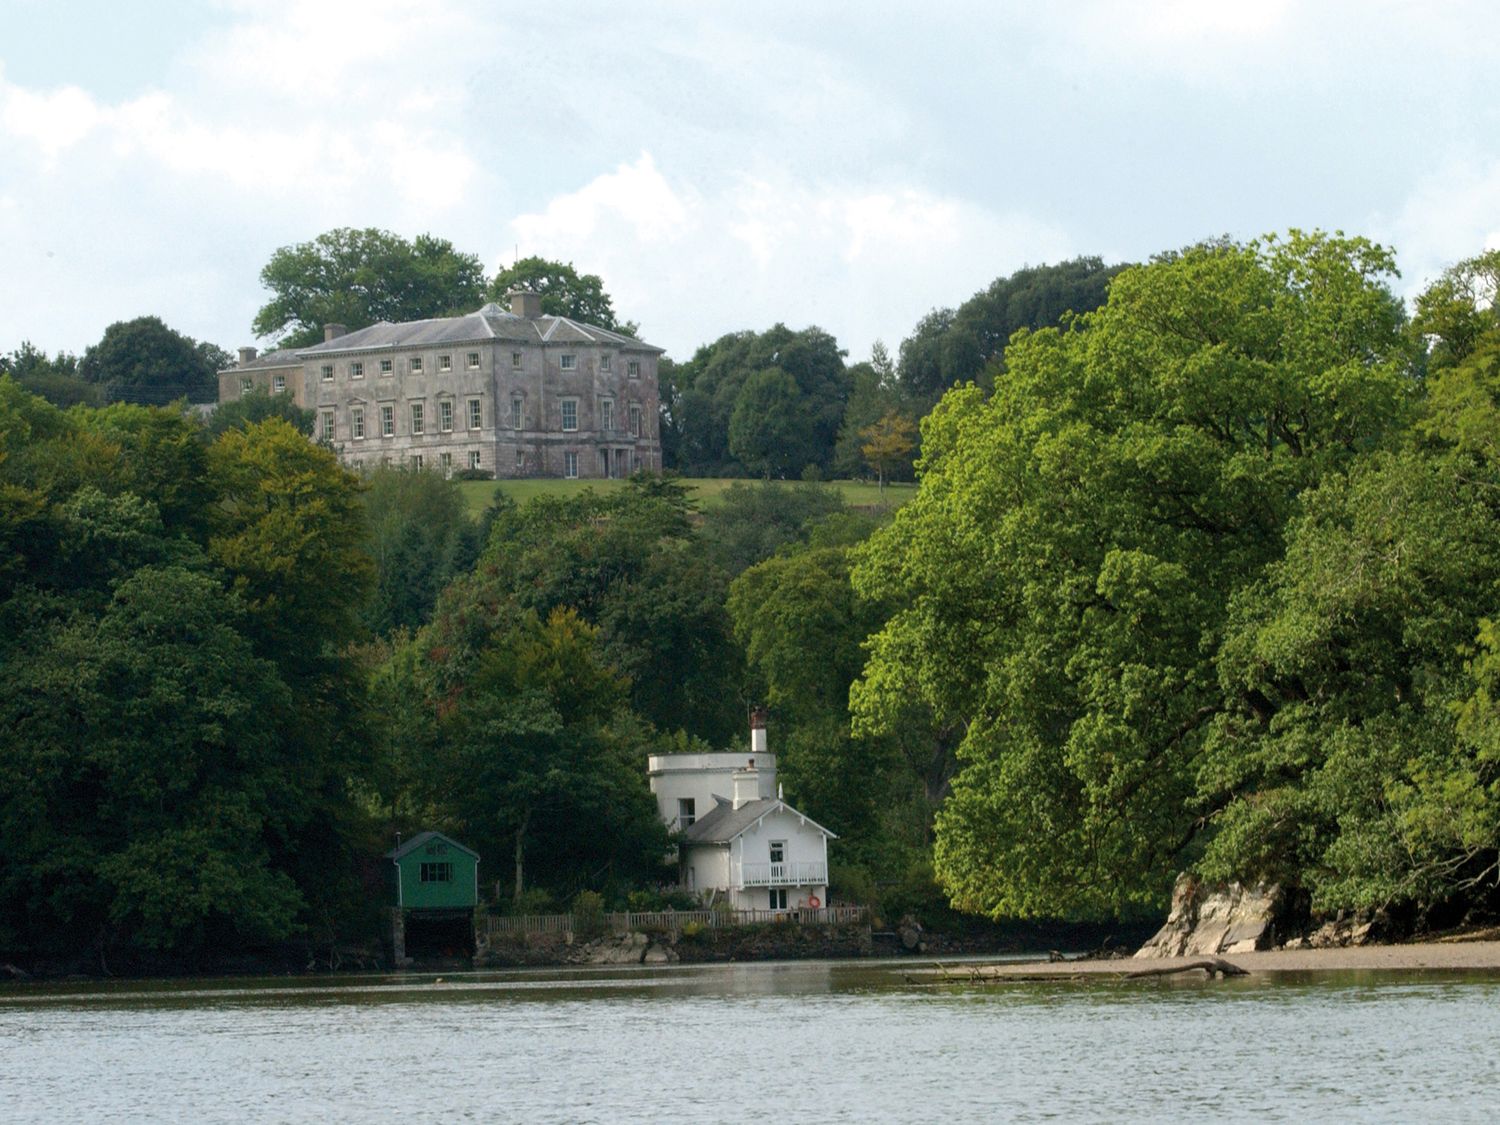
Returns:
(515,414)
(474,418)
(473,458)
(326,371)
(570,465)
(520,461)
(278,384)
(416,462)
(326,425)
(570,415)
(635,418)
(387,421)
(604,363)
(387,366)
(247,384)
(606,413)
(515,359)
(357,422)
(356,370)
(445,363)
(446,461)
(445,416)
(568,363)
(473,361)
(633,369)
(414,364)
(418,419)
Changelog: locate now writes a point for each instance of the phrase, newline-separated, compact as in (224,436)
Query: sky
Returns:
(722,166)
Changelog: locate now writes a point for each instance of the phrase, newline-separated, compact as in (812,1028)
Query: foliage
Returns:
(564,292)
(752,522)
(54,379)
(1062,579)
(768,431)
(888,444)
(357,277)
(142,360)
(255,406)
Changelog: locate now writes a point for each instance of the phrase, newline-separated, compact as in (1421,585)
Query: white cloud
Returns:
(1453,213)
(692,260)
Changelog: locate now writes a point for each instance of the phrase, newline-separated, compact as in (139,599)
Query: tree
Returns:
(256,405)
(357,277)
(1064,574)
(142,360)
(770,431)
(55,378)
(564,292)
(950,346)
(752,522)
(888,444)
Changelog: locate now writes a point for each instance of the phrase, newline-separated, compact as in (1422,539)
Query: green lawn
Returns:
(706,490)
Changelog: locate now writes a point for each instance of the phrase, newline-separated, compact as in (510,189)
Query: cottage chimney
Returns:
(523,302)
(247,356)
(746,784)
(333,331)
(758,730)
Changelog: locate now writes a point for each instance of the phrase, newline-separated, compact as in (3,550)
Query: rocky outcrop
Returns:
(1205,921)
(624,949)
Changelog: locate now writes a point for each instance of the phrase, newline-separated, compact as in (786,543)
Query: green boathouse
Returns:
(434,883)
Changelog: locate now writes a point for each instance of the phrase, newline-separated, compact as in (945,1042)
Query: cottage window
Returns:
(386,366)
(356,370)
(778,851)
(568,362)
(445,416)
(418,418)
(445,363)
(570,414)
(776,898)
(437,873)
(474,417)
(387,421)
(473,458)
(473,361)
(247,384)
(570,465)
(327,372)
(687,810)
(633,369)
(357,422)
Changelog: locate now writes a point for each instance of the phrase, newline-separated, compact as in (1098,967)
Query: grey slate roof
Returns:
(279,357)
(422,838)
(489,323)
(724,822)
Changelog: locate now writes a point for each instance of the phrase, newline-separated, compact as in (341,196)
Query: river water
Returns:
(809,1041)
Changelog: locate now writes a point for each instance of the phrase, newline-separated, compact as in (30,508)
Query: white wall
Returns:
(700,777)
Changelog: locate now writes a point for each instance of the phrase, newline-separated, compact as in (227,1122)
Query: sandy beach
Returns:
(1443,955)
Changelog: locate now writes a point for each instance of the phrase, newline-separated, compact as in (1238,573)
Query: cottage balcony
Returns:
(781,875)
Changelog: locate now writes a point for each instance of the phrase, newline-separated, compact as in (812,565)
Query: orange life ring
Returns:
(814,902)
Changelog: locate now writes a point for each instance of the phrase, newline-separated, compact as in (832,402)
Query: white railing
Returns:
(782,874)
(674,920)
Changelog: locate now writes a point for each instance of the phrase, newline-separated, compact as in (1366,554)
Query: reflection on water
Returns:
(840,1041)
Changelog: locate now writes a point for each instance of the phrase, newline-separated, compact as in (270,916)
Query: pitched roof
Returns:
(488,323)
(724,822)
(400,851)
(277,357)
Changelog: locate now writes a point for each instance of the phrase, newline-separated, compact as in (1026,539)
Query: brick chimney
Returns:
(523,302)
(757,730)
(746,784)
(247,356)
(333,332)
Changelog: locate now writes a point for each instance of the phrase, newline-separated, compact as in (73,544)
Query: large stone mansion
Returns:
(516,393)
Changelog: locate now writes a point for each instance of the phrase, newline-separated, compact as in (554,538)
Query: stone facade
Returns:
(511,392)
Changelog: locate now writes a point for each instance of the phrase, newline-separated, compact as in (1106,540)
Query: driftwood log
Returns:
(985,974)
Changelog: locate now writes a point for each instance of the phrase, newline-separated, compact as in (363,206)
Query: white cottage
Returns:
(740,843)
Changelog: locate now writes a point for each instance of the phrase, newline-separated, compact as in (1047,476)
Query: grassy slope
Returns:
(706,491)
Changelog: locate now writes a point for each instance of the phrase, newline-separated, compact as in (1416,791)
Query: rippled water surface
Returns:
(827,1041)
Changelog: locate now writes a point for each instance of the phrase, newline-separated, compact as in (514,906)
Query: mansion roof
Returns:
(489,323)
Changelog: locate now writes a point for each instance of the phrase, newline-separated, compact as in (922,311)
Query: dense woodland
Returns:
(1199,572)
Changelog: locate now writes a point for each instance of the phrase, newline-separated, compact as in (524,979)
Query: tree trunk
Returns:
(520,854)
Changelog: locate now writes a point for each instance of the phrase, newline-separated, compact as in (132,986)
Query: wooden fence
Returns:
(672,921)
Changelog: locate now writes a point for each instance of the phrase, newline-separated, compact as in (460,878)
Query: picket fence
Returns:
(672,921)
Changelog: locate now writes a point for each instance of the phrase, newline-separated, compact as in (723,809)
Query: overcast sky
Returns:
(721,165)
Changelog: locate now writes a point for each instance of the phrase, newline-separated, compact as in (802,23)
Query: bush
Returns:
(588,915)
(534,901)
(474,474)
